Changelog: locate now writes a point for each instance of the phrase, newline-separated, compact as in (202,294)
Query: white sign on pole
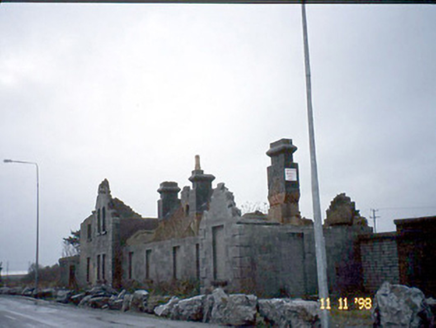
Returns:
(290,174)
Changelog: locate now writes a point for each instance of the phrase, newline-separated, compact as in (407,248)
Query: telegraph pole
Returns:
(374,217)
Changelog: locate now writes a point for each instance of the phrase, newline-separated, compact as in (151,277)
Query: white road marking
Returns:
(31,318)
(12,318)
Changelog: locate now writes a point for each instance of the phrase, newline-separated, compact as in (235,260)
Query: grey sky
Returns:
(132,93)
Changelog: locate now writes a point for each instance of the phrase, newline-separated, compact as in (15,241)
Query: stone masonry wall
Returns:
(164,257)
(344,268)
(379,260)
(219,252)
(274,260)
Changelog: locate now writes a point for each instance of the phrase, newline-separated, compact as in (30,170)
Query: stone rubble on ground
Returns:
(394,306)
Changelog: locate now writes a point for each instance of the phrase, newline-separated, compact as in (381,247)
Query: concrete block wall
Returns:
(379,256)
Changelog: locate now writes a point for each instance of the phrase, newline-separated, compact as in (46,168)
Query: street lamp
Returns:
(37,217)
(320,252)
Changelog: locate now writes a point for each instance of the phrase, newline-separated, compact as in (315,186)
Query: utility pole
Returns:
(374,217)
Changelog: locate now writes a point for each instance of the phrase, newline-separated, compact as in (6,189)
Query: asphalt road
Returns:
(21,312)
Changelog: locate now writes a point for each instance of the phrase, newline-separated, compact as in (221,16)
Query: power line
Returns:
(405,207)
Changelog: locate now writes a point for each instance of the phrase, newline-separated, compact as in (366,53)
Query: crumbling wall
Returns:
(69,268)
(342,211)
(219,252)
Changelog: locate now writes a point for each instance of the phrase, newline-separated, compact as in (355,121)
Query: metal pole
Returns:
(37,218)
(321,261)
(37,230)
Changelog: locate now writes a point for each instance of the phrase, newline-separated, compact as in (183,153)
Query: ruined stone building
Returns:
(202,236)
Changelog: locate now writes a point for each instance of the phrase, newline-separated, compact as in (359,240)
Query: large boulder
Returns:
(165,310)
(190,309)
(63,295)
(15,291)
(400,306)
(154,301)
(127,300)
(115,303)
(290,313)
(76,299)
(28,291)
(84,301)
(99,302)
(139,300)
(45,293)
(232,310)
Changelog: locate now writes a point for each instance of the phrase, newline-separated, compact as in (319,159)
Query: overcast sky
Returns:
(132,93)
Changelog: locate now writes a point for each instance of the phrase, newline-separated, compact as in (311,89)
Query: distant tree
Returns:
(48,276)
(1,267)
(71,244)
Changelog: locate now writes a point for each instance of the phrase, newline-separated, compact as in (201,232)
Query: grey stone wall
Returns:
(69,268)
(272,259)
(344,268)
(99,244)
(102,242)
(275,260)
(222,214)
(161,261)
(379,260)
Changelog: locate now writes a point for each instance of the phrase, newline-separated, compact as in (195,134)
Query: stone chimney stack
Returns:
(103,188)
(202,188)
(169,199)
(283,183)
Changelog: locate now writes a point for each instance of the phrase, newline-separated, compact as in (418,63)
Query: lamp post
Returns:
(37,217)
(321,259)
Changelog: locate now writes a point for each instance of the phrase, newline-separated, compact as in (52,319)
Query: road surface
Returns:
(21,312)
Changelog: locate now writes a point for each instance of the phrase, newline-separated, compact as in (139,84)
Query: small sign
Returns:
(290,174)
